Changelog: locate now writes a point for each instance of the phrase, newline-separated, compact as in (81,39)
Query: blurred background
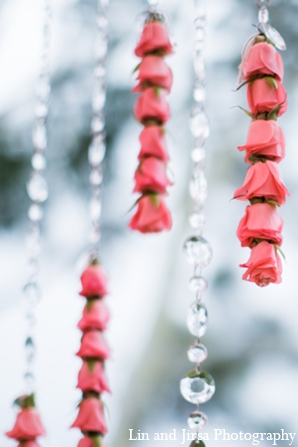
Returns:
(252,336)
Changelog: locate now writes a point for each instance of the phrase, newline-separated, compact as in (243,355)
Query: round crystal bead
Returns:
(197,387)
(198,155)
(96,151)
(197,251)
(96,177)
(35,213)
(197,420)
(197,319)
(37,188)
(197,353)
(38,161)
(197,221)
(199,61)
(99,98)
(198,284)
(39,137)
(199,124)
(198,187)
(199,93)
(95,209)
(98,124)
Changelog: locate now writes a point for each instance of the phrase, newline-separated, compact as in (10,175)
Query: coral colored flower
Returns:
(95,316)
(93,346)
(154,71)
(264,265)
(153,143)
(265,138)
(94,281)
(152,105)
(151,175)
(154,38)
(262,58)
(263,180)
(92,378)
(91,417)
(27,426)
(28,444)
(152,215)
(261,221)
(88,442)
(263,97)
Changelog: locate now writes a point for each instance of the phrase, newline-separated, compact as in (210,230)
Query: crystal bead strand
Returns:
(198,386)
(97,147)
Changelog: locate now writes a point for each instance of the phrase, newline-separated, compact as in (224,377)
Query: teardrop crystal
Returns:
(197,319)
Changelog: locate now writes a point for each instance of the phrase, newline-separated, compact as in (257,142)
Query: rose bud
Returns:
(264,265)
(28,444)
(27,426)
(154,38)
(152,215)
(263,97)
(151,175)
(154,71)
(153,143)
(89,442)
(265,139)
(92,378)
(152,105)
(94,281)
(263,180)
(261,221)
(93,346)
(262,58)
(95,316)
(91,417)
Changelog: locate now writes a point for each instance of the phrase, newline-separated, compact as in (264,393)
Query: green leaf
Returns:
(271,81)
(251,115)
(154,198)
(90,304)
(280,251)
(157,90)
(273,202)
(91,365)
(137,67)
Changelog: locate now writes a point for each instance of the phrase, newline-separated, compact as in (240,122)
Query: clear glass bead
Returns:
(37,188)
(263,15)
(29,349)
(96,177)
(199,63)
(35,213)
(197,221)
(98,124)
(273,35)
(102,22)
(197,251)
(38,161)
(100,71)
(39,137)
(95,236)
(199,92)
(197,319)
(95,209)
(30,380)
(198,155)
(97,150)
(99,98)
(200,42)
(199,124)
(41,110)
(101,48)
(198,187)
(198,284)
(197,387)
(197,420)
(197,353)
(32,293)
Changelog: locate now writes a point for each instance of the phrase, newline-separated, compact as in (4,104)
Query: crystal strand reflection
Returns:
(198,386)
(37,190)
(97,148)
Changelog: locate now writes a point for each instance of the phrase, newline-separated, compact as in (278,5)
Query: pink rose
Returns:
(154,38)
(264,265)
(151,175)
(152,215)
(263,97)
(154,71)
(91,416)
(265,138)
(28,444)
(95,316)
(92,378)
(263,180)
(262,58)
(152,105)
(93,346)
(94,281)
(27,426)
(153,143)
(88,442)
(261,221)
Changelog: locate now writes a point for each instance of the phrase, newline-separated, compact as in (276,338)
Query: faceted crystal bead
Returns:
(95,209)
(101,48)
(197,420)
(96,151)
(197,319)
(197,387)
(197,251)
(102,21)
(263,15)
(39,137)
(98,124)
(35,213)
(32,293)
(99,98)
(273,35)
(41,110)
(29,379)
(197,221)
(29,349)
(38,161)
(96,177)
(99,71)
(37,188)
(199,124)
(198,284)
(198,155)
(199,93)
(198,187)
(197,353)
(200,42)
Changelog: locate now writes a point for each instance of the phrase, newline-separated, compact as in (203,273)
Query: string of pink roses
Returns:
(152,110)
(260,229)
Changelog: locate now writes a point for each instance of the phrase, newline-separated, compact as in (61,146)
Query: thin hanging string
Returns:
(198,386)
(38,193)
(97,148)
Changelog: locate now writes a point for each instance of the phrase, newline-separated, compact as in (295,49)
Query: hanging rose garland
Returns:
(152,110)
(260,229)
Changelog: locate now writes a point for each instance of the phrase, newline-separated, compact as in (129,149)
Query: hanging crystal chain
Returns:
(37,190)
(97,148)
(198,386)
